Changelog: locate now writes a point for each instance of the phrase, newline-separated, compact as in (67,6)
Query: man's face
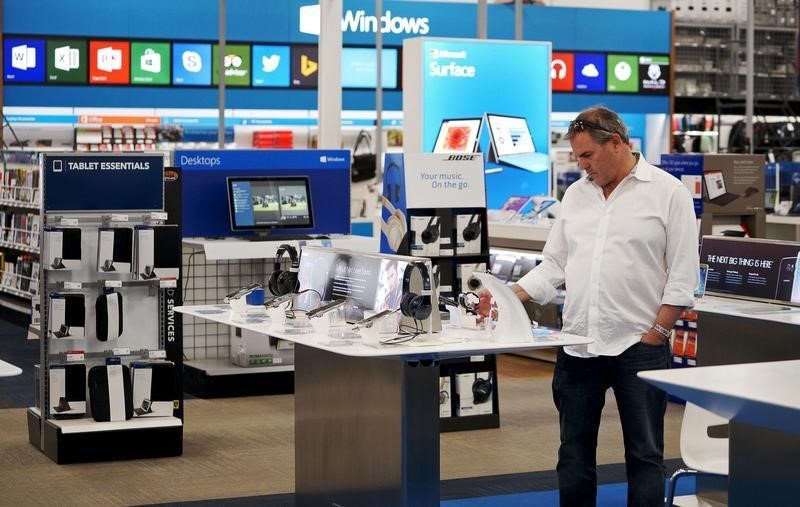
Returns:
(598,160)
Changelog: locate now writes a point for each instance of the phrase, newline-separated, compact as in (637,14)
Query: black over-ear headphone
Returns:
(431,232)
(473,228)
(417,306)
(481,389)
(284,282)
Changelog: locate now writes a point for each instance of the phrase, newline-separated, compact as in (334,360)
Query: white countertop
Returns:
(8,369)
(760,394)
(452,342)
(237,248)
(783,219)
(523,231)
(750,309)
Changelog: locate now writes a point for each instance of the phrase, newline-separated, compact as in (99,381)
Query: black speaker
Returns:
(284,282)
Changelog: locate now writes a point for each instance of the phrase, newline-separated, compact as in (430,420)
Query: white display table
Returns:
(238,248)
(8,369)
(762,401)
(367,418)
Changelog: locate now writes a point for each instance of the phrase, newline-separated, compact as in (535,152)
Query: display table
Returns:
(238,248)
(783,227)
(524,236)
(8,369)
(762,402)
(367,418)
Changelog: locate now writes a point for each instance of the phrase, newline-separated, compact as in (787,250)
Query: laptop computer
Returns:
(512,143)
(458,135)
(715,189)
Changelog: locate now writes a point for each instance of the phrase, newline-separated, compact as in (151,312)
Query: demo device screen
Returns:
(510,135)
(269,202)
(458,136)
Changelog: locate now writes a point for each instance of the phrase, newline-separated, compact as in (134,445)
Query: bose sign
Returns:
(359,21)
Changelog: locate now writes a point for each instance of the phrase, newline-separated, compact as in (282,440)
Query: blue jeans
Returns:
(579,387)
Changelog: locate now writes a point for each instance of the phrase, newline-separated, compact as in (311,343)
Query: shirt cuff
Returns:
(678,297)
(537,288)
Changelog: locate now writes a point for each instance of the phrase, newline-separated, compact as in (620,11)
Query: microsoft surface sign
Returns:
(359,22)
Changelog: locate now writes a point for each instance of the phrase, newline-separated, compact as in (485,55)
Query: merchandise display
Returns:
(110,394)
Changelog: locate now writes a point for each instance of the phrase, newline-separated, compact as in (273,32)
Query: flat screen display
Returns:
(458,136)
(510,135)
(269,202)
(751,268)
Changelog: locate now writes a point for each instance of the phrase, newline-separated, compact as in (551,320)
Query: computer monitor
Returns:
(261,203)
(458,135)
(510,135)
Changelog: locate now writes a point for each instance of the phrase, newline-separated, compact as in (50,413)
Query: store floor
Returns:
(244,447)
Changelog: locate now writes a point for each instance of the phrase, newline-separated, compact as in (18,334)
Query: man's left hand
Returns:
(653,337)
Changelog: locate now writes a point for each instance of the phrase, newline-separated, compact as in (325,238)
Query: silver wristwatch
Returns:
(666,333)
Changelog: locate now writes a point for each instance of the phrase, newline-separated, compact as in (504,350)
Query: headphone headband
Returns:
(426,278)
(284,249)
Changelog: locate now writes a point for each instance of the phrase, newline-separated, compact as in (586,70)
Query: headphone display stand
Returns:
(434,205)
(513,321)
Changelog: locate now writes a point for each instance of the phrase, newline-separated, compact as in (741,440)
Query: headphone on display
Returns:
(394,227)
(431,233)
(473,228)
(481,389)
(284,282)
(416,306)
(469,301)
(444,395)
(558,69)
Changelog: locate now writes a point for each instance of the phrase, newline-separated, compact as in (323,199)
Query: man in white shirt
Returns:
(625,245)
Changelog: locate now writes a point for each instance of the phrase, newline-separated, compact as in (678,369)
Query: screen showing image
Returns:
(752,268)
(359,68)
(510,135)
(458,136)
(269,203)
(715,185)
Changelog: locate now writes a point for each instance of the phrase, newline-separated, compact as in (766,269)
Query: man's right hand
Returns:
(520,293)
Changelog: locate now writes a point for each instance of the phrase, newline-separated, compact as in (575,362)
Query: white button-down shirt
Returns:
(621,258)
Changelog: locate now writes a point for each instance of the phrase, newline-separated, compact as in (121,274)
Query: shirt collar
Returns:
(642,171)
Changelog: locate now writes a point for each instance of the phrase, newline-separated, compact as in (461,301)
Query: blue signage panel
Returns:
(688,169)
(205,174)
(497,79)
(103,182)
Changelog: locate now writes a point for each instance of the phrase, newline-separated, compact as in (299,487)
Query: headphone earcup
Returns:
(420,308)
(286,282)
(395,236)
(272,284)
(471,232)
(405,304)
(481,391)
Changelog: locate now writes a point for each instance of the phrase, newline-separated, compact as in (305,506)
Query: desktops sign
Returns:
(449,63)
(359,22)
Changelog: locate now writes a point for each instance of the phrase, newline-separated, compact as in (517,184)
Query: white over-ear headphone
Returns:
(558,69)
(394,228)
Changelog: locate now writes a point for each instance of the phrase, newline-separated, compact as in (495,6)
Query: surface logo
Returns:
(590,70)
(23,57)
(67,58)
(623,71)
(451,68)
(307,66)
(109,59)
(150,61)
(359,21)
(270,63)
(192,61)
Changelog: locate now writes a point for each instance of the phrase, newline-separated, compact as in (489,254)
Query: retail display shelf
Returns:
(17,292)
(19,247)
(772,312)
(90,425)
(216,366)
(783,219)
(518,235)
(13,203)
(237,248)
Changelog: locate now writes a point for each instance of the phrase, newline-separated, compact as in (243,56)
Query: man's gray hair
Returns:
(600,123)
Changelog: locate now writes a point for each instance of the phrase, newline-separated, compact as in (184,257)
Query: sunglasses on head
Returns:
(581,125)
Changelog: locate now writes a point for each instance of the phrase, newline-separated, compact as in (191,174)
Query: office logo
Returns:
(109,59)
(359,22)
(109,62)
(192,61)
(23,57)
(150,61)
(67,58)
(271,66)
(307,66)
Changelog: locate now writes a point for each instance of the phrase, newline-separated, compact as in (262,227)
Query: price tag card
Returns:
(122,351)
(69,221)
(113,283)
(72,285)
(117,217)
(74,356)
(158,215)
(157,354)
(168,283)
(477,359)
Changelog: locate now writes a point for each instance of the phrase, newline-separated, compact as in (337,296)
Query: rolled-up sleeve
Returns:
(540,283)
(682,255)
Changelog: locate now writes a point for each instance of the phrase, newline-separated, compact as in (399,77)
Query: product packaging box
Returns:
(67,316)
(62,249)
(249,348)
(115,249)
(475,393)
(67,390)
(425,235)
(154,389)
(110,393)
(445,397)
(469,230)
